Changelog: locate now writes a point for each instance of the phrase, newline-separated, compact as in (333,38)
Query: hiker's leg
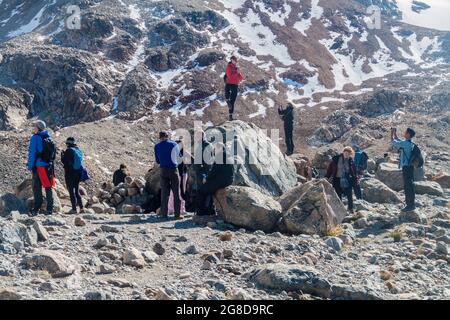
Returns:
(49,197)
(165,192)
(37,192)
(175,187)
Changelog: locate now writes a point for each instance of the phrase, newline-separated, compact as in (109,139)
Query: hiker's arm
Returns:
(31,153)
(156,156)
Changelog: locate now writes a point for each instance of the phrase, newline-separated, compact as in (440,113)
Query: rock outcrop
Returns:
(334,127)
(376,191)
(313,208)
(64,86)
(392,176)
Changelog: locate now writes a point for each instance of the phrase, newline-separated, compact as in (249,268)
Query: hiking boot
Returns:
(163,216)
(33,213)
(230,117)
(48,213)
(72,211)
(408,209)
(82,210)
(178,217)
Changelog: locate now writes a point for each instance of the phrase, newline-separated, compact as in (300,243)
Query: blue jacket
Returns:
(163,154)
(405,147)
(34,148)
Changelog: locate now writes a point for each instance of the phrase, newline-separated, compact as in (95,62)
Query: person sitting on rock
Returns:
(406,149)
(220,177)
(41,156)
(72,160)
(167,155)
(287,115)
(341,173)
(232,79)
(120,174)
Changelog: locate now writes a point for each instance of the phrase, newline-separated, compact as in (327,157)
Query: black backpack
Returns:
(416,159)
(48,153)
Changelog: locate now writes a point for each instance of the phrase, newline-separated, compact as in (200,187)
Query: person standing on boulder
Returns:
(41,157)
(406,146)
(341,173)
(287,115)
(72,160)
(232,79)
(167,155)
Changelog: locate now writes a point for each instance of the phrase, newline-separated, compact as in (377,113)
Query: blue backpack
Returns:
(77,158)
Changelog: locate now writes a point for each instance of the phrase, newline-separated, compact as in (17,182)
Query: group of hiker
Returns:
(41,164)
(344,171)
(208,177)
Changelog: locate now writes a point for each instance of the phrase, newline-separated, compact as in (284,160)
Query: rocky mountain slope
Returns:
(136,67)
(139,58)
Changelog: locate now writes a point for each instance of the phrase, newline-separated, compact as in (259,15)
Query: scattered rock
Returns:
(335,243)
(133,257)
(41,231)
(226,236)
(159,249)
(9,294)
(79,222)
(57,264)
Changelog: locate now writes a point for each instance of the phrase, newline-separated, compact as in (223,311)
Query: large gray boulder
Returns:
(313,208)
(392,176)
(271,173)
(375,191)
(9,203)
(24,192)
(281,277)
(429,187)
(443,179)
(248,208)
(306,279)
(323,156)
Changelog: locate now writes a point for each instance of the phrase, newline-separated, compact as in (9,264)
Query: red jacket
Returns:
(233,74)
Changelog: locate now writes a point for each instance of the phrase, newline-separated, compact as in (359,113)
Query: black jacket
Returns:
(222,172)
(287,115)
(203,168)
(119,177)
(67,159)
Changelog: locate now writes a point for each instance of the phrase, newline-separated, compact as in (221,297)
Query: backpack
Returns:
(84,175)
(48,153)
(361,159)
(416,159)
(225,78)
(77,158)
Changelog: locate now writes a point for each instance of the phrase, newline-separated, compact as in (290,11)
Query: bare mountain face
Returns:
(139,57)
